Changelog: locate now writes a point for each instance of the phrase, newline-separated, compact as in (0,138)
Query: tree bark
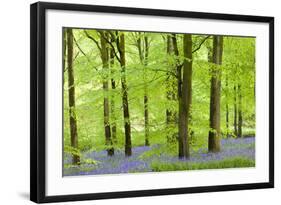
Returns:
(181,140)
(112,102)
(121,48)
(71,98)
(143,55)
(105,65)
(235,112)
(214,133)
(227,109)
(145,97)
(64,49)
(240,118)
(227,120)
(171,115)
(185,98)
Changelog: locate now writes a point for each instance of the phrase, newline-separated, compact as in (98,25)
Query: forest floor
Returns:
(234,153)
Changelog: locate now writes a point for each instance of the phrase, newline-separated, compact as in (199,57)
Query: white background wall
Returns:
(14,100)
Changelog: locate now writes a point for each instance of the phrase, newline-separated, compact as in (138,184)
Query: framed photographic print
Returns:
(129,102)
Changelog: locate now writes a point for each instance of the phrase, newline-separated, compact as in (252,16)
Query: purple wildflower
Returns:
(242,147)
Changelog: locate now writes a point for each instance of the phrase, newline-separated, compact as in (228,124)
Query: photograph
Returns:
(138,101)
(134,102)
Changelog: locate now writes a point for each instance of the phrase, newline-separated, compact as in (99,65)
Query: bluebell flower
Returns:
(240,147)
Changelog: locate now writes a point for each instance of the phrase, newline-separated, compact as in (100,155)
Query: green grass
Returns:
(236,162)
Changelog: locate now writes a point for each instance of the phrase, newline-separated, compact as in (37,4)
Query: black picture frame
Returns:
(38,101)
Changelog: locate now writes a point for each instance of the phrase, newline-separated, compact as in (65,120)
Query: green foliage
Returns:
(168,149)
(89,161)
(237,162)
(157,77)
(72,151)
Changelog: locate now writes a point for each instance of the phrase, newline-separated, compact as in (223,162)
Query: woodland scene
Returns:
(138,101)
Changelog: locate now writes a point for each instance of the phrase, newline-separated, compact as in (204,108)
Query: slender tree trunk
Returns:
(214,133)
(240,119)
(178,66)
(210,54)
(179,96)
(71,98)
(182,103)
(185,98)
(145,97)
(143,55)
(227,109)
(227,120)
(64,48)
(105,65)
(171,115)
(112,102)
(128,144)
(235,112)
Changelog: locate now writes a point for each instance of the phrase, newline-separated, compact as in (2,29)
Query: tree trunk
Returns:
(105,65)
(240,119)
(71,98)
(112,102)
(179,95)
(235,112)
(227,120)
(171,115)
(64,48)
(214,133)
(128,144)
(143,55)
(185,98)
(227,109)
(145,97)
(182,103)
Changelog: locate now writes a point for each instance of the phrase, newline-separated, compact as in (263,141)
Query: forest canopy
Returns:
(144,101)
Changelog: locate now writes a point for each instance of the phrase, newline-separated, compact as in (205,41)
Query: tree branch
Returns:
(166,71)
(118,43)
(112,46)
(200,44)
(95,41)
(73,61)
(80,49)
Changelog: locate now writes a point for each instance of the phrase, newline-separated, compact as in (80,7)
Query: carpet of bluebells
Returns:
(230,148)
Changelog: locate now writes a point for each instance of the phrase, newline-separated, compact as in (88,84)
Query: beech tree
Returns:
(227,108)
(235,112)
(182,141)
(143,48)
(113,87)
(71,98)
(240,118)
(215,132)
(106,62)
(171,91)
(104,49)
(121,48)
(185,97)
